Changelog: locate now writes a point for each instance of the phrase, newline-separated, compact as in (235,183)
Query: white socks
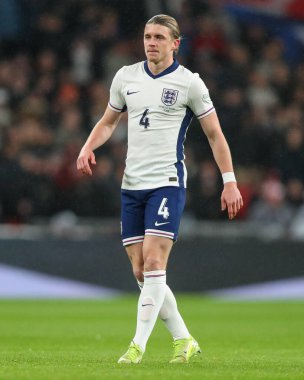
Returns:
(150,301)
(172,318)
(170,315)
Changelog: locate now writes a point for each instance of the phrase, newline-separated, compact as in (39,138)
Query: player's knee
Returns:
(152,263)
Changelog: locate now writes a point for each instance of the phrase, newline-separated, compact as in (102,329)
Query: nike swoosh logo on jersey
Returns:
(132,92)
(161,224)
(147,304)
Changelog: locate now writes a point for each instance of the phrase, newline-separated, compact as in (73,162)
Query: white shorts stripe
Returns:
(159,233)
(132,240)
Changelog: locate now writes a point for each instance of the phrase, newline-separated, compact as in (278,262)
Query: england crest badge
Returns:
(169,97)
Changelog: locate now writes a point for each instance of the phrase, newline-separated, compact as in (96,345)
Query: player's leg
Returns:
(132,231)
(172,318)
(132,237)
(156,251)
(169,312)
(135,254)
(162,219)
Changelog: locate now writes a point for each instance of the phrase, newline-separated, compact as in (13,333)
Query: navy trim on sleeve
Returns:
(205,113)
(119,109)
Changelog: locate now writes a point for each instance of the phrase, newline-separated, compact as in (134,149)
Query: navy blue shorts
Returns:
(151,212)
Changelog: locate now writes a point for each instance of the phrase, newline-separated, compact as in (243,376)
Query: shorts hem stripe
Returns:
(159,233)
(134,239)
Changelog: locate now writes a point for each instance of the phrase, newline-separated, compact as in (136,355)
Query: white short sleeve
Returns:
(117,101)
(198,98)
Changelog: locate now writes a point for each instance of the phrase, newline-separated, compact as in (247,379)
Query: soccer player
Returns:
(161,97)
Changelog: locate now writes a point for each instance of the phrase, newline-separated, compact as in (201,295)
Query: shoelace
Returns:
(179,347)
(133,352)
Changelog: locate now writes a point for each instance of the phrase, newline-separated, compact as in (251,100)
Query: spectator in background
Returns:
(295,192)
(272,207)
(259,92)
(280,82)
(10,19)
(81,57)
(237,69)
(206,192)
(291,155)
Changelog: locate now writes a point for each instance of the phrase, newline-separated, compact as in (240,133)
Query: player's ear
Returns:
(176,44)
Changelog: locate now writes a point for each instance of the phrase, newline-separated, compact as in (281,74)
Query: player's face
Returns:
(158,42)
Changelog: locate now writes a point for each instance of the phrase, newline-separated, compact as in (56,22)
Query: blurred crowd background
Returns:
(57,60)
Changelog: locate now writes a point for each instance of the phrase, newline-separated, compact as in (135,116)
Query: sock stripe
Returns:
(154,275)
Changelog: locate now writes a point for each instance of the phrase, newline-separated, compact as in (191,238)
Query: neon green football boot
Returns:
(184,350)
(133,355)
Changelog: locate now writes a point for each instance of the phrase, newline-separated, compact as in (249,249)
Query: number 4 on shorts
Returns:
(163,210)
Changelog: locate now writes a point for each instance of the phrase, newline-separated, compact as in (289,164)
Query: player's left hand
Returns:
(231,199)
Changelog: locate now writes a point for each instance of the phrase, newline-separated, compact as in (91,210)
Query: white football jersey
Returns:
(160,109)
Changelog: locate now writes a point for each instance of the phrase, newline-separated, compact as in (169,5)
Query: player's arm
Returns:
(99,135)
(231,197)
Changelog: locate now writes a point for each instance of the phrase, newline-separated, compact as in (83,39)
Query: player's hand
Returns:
(86,156)
(231,199)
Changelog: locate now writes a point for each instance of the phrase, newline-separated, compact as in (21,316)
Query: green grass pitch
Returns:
(71,340)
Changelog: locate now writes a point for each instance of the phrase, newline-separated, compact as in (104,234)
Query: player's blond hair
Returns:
(169,22)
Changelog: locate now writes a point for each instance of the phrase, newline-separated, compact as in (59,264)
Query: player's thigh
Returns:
(132,217)
(156,251)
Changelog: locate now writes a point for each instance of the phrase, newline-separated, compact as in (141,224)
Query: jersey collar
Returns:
(168,70)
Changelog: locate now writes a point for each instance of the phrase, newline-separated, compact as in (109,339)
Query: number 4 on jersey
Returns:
(163,210)
(144,119)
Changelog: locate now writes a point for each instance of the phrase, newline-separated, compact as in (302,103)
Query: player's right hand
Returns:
(231,199)
(86,156)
